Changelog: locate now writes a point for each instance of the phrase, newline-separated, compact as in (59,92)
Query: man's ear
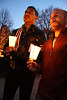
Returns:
(36,18)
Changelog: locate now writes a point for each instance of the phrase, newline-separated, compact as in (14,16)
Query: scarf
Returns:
(18,35)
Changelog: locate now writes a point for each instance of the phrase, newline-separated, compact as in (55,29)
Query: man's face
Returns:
(29,16)
(57,20)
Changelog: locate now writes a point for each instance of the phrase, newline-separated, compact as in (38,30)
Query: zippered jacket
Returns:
(53,83)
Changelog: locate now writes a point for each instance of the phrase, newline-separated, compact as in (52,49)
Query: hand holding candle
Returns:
(32,66)
(12,41)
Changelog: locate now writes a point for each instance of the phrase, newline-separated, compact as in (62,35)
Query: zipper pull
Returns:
(51,52)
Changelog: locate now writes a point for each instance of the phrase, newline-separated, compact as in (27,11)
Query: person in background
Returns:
(4,35)
(19,75)
(53,83)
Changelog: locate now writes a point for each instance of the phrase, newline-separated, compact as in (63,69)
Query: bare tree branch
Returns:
(5,18)
(43,21)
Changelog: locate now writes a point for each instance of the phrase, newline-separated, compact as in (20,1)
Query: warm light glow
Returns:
(12,41)
(34,51)
(1,54)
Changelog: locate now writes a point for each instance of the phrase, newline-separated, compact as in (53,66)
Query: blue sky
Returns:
(17,8)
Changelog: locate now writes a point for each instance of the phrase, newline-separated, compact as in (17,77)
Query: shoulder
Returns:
(48,42)
(41,33)
(39,30)
(14,31)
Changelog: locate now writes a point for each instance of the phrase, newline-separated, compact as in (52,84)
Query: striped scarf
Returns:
(18,34)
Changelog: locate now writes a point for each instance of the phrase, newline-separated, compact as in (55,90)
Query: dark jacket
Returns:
(35,36)
(54,79)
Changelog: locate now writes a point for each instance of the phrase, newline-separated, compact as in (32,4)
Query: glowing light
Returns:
(44,11)
(34,51)
(12,41)
(1,54)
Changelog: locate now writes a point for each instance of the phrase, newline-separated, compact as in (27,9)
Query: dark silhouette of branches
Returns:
(5,18)
(43,21)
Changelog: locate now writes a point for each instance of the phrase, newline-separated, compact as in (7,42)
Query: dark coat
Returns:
(35,36)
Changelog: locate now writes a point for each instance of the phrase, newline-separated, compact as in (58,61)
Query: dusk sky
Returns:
(17,8)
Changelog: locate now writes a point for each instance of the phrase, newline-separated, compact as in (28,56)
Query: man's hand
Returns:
(32,66)
(8,50)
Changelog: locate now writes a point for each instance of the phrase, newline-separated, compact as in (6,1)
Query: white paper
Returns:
(12,41)
(34,51)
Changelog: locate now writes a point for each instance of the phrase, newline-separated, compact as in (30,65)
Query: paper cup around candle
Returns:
(12,41)
(34,51)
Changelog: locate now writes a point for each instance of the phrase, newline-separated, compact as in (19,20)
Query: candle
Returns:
(34,51)
(12,41)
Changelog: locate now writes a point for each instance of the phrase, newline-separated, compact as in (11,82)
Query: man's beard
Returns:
(56,27)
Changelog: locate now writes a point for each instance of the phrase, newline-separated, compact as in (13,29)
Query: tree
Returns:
(43,21)
(5,18)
